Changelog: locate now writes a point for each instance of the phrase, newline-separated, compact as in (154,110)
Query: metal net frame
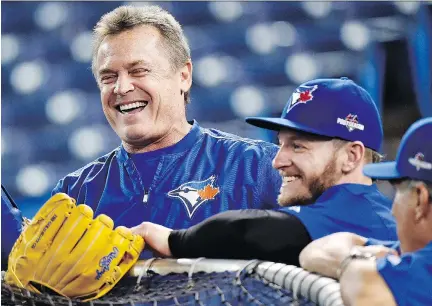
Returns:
(202,281)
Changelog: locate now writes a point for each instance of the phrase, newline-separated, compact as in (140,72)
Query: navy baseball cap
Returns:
(337,108)
(414,158)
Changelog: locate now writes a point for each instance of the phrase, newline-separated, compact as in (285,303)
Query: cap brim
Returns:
(382,171)
(277,124)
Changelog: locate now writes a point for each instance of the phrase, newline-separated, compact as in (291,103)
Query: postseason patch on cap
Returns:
(418,161)
(351,122)
(302,94)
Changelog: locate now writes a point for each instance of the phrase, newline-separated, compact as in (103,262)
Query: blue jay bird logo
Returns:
(302,94)
(194,194)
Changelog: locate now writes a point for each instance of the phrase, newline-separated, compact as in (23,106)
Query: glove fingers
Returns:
(132,253)
(105,274)
(92,243)
(53,204)
(37,237)
(65,240)
(45,225)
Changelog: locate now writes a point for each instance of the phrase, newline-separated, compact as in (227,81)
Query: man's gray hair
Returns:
(124,18)
(410,183)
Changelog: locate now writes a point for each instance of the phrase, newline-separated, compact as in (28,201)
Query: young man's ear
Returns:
(355,152)
(423,207)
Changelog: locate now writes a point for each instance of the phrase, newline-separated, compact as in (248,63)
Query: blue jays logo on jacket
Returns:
(194,194)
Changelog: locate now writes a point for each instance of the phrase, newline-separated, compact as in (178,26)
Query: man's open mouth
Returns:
(132,107)
(289,179)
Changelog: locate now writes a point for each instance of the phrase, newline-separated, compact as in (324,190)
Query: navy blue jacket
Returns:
(207,172)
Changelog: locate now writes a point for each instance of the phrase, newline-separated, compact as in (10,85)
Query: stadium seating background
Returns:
(247,57)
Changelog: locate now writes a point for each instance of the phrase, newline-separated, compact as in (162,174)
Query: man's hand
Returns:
(325,255)
(378,251)
(155,236)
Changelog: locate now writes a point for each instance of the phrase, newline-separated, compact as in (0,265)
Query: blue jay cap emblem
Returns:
(302,94)
(194,194)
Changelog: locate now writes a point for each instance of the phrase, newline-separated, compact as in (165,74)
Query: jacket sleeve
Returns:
(268,180)
(60,187)
(243,234)
(11,225)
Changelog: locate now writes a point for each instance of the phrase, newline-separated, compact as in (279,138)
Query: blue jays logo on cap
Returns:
(418,161)
(194,194)
(302,94)
(351,122)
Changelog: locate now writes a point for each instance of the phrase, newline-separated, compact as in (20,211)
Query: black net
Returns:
(248,286)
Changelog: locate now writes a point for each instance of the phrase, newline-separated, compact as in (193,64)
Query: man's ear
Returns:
(186,76)
(423,207)
(354,152)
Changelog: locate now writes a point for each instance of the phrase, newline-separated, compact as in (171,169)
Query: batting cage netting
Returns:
(203,282)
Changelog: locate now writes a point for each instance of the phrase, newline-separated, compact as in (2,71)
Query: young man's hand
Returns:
(155,237)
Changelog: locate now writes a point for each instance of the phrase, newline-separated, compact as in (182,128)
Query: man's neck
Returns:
(418,244)
(354,178)
(173,136)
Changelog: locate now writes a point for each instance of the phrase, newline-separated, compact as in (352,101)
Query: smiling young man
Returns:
(375,272)
(329,129)
(166,170)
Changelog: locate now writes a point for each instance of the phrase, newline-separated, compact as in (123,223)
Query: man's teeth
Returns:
(288,179)
(132,105)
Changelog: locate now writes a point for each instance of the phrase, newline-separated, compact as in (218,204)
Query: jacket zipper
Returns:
(146,195)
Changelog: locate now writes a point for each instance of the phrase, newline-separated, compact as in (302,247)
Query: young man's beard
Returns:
(317,185)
